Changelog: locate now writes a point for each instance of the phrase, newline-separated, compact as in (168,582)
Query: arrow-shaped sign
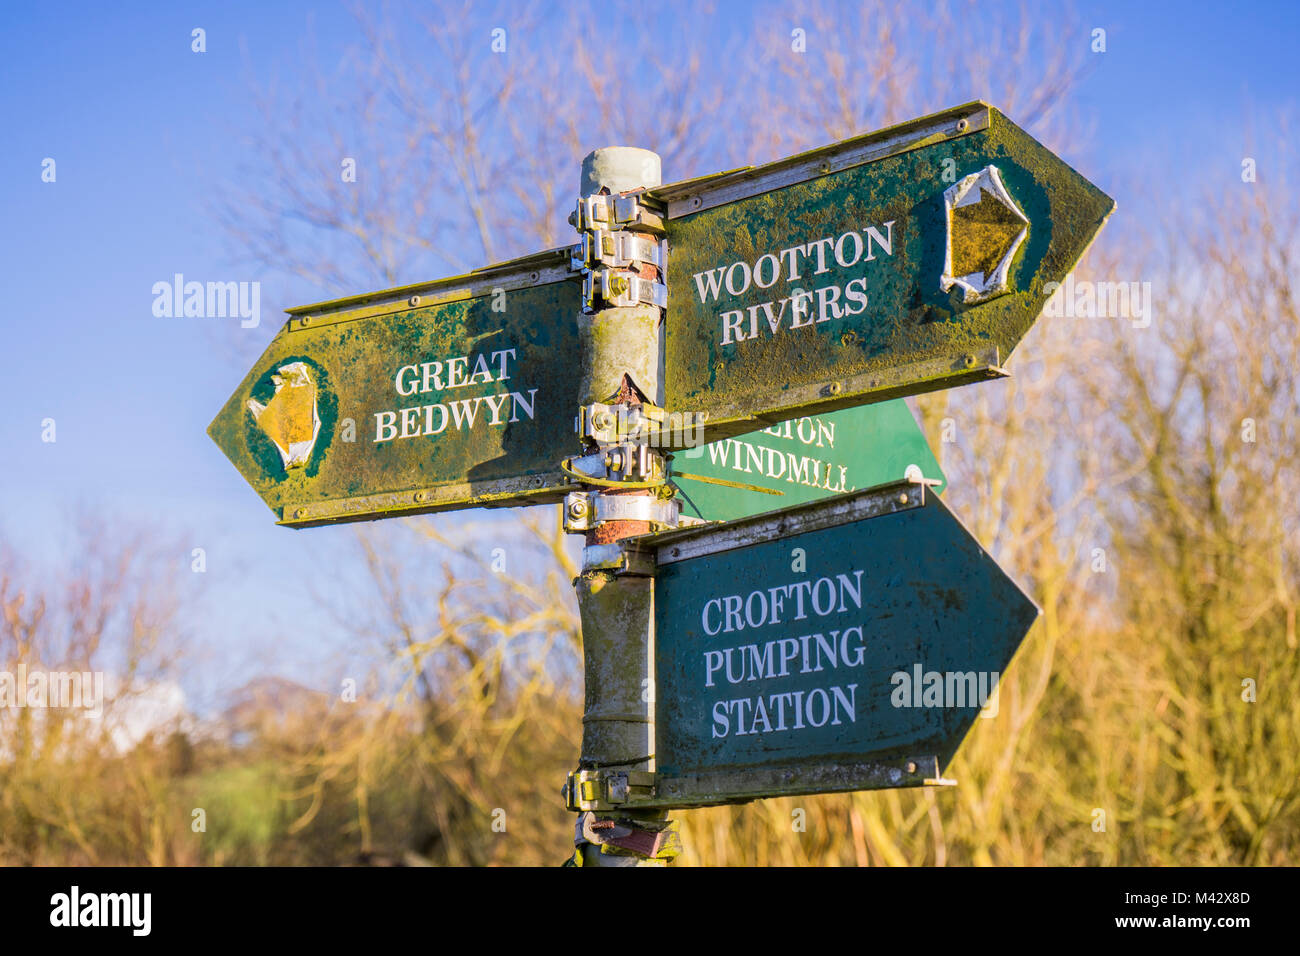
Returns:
(803,459)
(449,394)
(846,644)
(900,262)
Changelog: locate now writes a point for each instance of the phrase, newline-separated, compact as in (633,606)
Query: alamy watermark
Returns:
(922,688)
(131,911)
(73,690)
(1085,299)
(208,300)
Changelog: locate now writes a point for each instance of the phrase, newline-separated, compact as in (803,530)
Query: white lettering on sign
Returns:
(801,308)
(504,407)
(749,459)
(814,652)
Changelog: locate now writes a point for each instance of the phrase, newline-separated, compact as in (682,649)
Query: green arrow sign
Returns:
(449,394)
(801,460)
(891,264)
(846,644)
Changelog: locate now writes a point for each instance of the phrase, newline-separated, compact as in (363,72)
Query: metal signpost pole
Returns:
(623,495)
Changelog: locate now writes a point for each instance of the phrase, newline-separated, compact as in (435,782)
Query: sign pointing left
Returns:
(448,394)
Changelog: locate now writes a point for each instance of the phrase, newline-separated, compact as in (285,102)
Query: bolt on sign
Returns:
(899,262)
(449,394)
(846,644)
(803,459)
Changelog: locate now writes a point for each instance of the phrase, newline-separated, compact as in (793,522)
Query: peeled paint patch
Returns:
(985,228)
(290,418)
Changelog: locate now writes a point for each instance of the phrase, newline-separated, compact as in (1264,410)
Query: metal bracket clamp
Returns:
(609,257)
(617,464)
(620,290)
(615,250)
(586,510)
(619,558)
(627,838)
(615,424)
(615,213)
(605,790)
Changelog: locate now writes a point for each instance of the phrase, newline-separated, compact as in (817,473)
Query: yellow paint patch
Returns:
(289,419)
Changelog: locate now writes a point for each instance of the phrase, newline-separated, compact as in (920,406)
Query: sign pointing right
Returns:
(904,261)
(845,644)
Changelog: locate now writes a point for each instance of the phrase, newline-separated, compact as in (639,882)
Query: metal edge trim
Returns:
(728,420)
(713,788)
(547,486)
(683,545)
(542,262)
(692,196)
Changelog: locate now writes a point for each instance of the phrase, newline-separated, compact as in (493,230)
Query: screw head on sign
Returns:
(413,300)
(419,496)
(911,767)
(902,499)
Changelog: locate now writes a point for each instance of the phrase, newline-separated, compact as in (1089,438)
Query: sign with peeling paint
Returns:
(846,644)
(803,459)
(900,262)
(450,394)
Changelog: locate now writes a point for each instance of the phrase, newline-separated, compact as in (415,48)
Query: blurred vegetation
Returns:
(1140,481)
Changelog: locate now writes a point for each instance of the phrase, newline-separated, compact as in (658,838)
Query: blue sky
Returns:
(142,129)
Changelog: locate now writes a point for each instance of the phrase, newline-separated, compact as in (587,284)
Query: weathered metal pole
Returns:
(621,390)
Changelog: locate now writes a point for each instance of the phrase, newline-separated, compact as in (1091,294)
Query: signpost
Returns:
(891,264)
(845,640)
(801,460)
